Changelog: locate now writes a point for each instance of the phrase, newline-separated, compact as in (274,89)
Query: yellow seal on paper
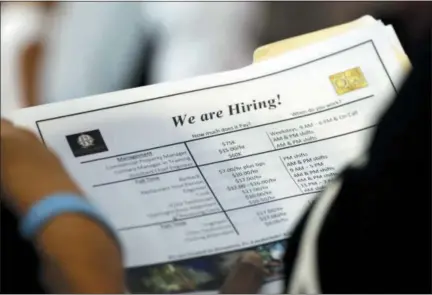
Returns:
(348,81)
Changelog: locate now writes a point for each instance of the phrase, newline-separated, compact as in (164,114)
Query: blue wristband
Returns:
(54,205)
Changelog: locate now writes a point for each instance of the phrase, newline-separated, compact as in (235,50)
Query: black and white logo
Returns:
(86,143)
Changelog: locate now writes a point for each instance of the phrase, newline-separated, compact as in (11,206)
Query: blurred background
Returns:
(55,51)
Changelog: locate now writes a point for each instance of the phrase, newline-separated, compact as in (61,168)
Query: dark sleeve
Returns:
(376,237)
(19,262)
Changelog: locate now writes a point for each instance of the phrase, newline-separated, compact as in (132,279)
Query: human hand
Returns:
(246,277)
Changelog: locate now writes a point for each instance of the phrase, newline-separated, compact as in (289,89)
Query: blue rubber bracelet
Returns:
(54,205)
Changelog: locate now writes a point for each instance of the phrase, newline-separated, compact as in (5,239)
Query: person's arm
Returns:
(25,26)
(78,254)
(80,257)
(32,55)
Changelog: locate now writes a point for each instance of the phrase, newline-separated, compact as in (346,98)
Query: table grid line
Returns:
(234,159)
(213,213)
(209,187)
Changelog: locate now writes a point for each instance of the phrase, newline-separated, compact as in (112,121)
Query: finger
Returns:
(246,277)
(9,129)
(252,257)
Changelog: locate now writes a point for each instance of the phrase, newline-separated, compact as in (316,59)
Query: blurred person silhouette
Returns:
(76,49)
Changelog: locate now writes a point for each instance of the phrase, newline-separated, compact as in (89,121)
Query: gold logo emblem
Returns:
(348,81)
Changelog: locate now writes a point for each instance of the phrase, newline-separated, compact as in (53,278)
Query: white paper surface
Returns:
(193,194)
